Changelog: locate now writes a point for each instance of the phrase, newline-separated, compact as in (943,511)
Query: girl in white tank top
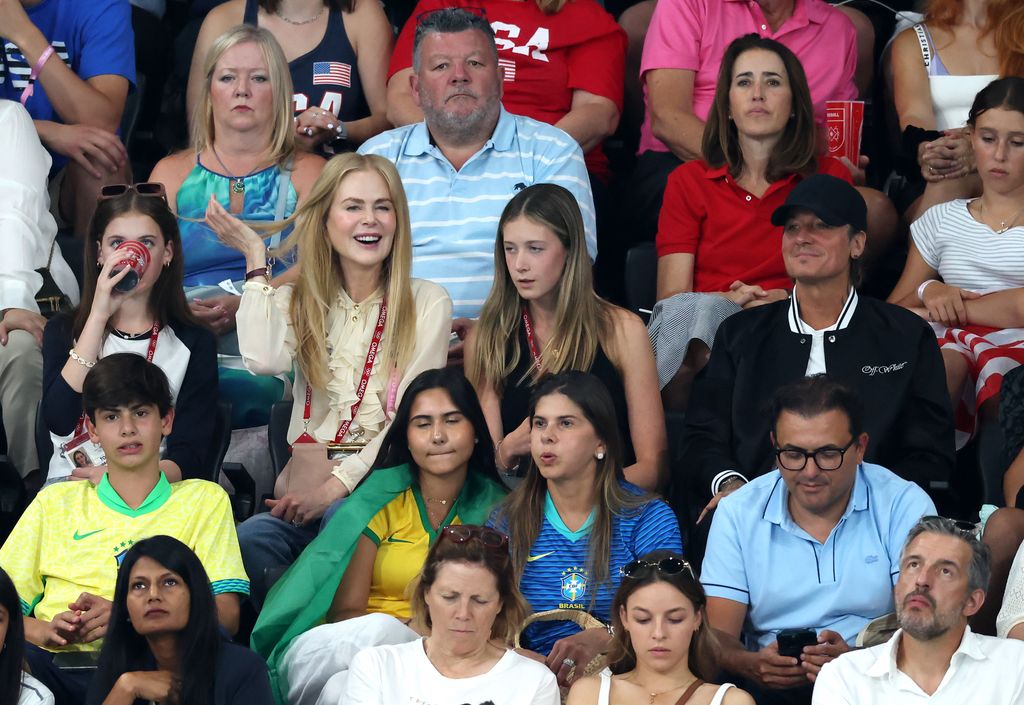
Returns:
(661,644)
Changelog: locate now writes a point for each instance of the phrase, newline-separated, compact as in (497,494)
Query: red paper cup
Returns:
(844,121)
(134,256)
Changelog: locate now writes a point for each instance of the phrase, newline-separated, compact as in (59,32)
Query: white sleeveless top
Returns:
(606,689)
(952,96)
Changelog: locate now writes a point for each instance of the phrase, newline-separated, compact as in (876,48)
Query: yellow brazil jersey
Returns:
(402,532)
(73,537)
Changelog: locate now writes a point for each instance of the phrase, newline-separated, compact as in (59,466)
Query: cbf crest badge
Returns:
(574,583)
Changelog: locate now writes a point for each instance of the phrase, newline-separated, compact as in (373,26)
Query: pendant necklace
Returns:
(654,694)
(1004,225)
(237,183)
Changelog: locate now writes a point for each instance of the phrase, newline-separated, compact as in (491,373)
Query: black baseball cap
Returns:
(830,198)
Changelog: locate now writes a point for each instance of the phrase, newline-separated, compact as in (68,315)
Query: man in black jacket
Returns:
(888,354)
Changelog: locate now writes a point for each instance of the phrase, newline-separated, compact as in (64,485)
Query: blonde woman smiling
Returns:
(357,329)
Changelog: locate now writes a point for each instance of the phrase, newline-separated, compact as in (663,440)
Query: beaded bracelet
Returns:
(80,360)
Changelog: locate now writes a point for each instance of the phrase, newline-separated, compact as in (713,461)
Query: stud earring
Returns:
(600,455)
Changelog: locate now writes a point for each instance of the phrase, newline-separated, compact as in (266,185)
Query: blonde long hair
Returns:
(282,133)
(322,278)
(582,319)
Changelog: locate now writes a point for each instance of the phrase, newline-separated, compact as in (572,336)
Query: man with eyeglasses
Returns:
(814,544)
(934,657)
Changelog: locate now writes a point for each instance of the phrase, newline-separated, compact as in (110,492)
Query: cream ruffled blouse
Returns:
(267,343)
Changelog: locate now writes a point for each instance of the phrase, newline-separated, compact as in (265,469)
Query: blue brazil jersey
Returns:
(556,575)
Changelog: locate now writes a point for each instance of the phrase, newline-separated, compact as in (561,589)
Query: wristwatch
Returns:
(731,483)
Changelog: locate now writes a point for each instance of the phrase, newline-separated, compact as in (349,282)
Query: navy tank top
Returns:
(515,399)
(326,77)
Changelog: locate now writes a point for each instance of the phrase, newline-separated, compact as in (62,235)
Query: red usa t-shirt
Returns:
(544,57)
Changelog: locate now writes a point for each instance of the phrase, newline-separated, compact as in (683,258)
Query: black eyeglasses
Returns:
(672,565)
(421,17)
(967,529)
(826,458)
(461,533)
(143,188)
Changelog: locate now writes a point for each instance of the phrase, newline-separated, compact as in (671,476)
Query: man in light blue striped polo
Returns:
(463,163)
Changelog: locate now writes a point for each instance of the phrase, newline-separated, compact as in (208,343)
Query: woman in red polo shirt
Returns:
(717,249)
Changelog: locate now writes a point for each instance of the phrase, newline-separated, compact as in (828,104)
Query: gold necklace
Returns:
(1004,225)
(299,23)
(655,694)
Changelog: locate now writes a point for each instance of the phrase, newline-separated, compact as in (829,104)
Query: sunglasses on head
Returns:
(489,538)
(672,565)
(143,188)
(967,529)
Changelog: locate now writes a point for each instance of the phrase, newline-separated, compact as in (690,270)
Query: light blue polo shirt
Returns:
(757,555)
(455,213)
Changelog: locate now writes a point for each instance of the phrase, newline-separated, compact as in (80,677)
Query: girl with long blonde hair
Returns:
(542,316)
(355,327)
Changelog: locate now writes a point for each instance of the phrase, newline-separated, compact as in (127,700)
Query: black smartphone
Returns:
(793,641)
(76,660)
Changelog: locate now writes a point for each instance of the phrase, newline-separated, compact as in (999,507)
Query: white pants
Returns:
(316,664)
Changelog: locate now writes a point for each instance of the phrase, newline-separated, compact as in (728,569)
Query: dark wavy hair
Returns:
(794,153)
(394,449)
(167,297)
(126,650)
(125,379)
(14,643)
(703,656)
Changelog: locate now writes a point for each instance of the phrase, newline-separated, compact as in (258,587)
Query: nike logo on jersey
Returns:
(531,559)
(79,537)
(392,539)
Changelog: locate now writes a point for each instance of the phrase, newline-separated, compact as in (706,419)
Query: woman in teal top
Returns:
(435,468)
(243,156)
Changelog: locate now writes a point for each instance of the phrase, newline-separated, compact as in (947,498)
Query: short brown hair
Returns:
(514,607)
(794,153)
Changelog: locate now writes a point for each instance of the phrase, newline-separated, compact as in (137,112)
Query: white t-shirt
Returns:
(403,675)
(33,692)
(966,253)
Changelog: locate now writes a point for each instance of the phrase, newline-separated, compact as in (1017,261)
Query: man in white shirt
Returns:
(934,657)
(27,231)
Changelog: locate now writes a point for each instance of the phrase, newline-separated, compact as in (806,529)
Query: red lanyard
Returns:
(150,352)
(529,339)
(371,355)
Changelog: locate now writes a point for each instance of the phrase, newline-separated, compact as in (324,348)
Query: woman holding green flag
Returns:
(347,589)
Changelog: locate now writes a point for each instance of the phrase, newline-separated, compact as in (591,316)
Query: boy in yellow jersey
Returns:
(64,553)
